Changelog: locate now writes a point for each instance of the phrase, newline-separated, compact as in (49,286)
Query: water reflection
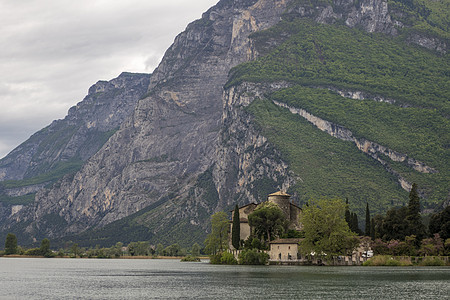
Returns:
(170,279)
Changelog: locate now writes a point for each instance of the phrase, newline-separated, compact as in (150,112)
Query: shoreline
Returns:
(121,257)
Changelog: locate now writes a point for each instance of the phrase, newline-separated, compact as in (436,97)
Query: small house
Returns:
(284,250)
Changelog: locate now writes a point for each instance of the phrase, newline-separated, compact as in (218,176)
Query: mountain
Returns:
(319,98)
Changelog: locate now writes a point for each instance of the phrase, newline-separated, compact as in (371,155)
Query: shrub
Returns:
(190,258)
(253,257)
(33,252)
(386,260)
(392,262)
(215,259)
(432,261)
(228,259)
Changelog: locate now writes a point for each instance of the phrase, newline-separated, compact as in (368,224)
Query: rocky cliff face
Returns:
(188,148)
(81,133)
(172,135)
(247,166)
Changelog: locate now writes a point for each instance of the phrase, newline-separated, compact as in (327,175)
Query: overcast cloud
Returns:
(52,51)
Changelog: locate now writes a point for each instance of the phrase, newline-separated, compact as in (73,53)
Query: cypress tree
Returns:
(367,229)
(347,214)
(355,224)
(413,217)
(11,244)
(236,230)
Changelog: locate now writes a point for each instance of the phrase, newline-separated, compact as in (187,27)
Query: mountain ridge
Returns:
(194,139)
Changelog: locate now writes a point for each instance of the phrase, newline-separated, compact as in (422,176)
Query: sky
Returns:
(52,51)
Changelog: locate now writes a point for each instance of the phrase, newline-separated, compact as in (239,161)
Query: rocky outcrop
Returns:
(360,95)
(21,191)
(247,165)
(370,148)
(428,42)
(370,15)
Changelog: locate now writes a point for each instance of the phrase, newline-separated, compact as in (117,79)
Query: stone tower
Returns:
(283,201)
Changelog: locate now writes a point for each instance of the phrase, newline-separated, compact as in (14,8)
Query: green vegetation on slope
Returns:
(318,54)
(325,165)
(421,133)
(60,169)
(429,17)
(315,57)
(21,200)
(49,173)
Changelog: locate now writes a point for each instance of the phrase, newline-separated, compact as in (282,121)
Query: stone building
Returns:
(282,200)
(284,250)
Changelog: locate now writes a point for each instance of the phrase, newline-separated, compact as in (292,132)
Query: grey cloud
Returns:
(55,50)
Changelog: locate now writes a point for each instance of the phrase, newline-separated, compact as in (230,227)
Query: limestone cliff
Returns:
(172,134)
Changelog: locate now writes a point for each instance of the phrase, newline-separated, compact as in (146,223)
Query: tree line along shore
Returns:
(329,230)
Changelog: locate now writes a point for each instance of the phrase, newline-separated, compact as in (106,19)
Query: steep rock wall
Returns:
(171,137)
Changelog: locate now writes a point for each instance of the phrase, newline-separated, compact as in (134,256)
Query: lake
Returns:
(34,278)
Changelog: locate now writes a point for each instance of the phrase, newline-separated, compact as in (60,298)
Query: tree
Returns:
(216,241)
(413,217)
(378,226)
(173,250)
(367,229)
(75,250)
(351,219)
(139,248)
(440,223)
(159,249)
(116,250)
(267,221)
(11,244)
(195,251)
(45,248)
(354,224)
(236,230)
(326,231)
(394,225)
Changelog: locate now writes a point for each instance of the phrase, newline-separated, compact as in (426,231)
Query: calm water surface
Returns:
(23,278)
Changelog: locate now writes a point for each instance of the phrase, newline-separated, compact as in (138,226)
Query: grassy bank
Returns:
(402,261)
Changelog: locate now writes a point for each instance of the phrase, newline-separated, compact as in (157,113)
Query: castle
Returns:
(282,200)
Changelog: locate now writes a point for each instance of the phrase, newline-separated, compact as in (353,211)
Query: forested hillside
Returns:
(381,88)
